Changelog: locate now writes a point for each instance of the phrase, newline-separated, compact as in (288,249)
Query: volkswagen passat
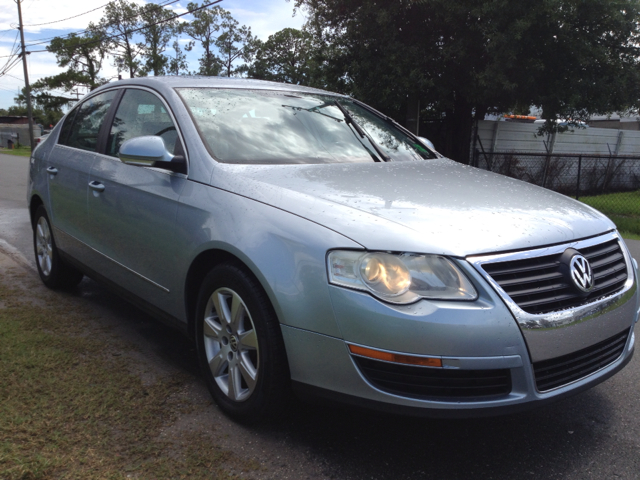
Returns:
(305,240)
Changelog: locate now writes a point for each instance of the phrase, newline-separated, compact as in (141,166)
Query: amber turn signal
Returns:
(395,357)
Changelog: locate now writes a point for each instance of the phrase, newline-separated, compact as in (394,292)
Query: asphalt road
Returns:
(593,435)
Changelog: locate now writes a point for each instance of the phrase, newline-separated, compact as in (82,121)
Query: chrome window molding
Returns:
(568,316)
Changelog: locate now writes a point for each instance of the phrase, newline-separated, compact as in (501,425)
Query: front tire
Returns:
(240,346)
(54,271)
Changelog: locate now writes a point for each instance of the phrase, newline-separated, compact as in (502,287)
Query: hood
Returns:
(436,206)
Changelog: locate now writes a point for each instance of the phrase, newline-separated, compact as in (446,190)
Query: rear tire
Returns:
(240,346)
(54,272)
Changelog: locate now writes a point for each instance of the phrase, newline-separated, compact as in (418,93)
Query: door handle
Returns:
(97,186)
(52,170)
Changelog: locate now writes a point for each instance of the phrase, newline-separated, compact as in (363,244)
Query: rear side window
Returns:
(141,113)
(86,125)
(66,127)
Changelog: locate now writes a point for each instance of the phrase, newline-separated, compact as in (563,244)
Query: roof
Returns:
(175,81)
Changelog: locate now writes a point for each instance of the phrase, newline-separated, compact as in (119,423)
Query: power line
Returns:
(9,90)
(13,76)
(13,51)
(68,18)
(9,67)
(102,39)
(42,41)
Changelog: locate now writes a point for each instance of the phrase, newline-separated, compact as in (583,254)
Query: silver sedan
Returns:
(307,242)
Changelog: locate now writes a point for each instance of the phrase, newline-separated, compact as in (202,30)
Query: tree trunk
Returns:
(458,128)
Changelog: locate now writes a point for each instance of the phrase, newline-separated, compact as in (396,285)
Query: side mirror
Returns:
(427,142)
(146,151)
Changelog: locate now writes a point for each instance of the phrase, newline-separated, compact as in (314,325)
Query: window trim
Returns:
(75,111)
(105,128)
(111,115)
(103,134)
(71,117)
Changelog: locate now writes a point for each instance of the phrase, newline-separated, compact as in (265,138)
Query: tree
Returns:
(82,56)
(120,20)
(232,41)
(203,29)
(157,36)
(464,58)
(42,116)
(286,56)
(178,63)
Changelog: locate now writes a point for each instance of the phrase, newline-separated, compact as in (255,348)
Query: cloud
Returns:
(265,17)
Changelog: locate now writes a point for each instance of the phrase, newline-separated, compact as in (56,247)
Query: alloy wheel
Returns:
(231,344)
(44,246)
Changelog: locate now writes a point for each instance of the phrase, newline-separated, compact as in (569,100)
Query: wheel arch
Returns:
(201,265)
(34,203)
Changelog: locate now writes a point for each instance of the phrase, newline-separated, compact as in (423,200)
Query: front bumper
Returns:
(478,336)
(337,378)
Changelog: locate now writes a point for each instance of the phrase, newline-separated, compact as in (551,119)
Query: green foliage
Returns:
(177,63)
(82,56)
(120,19)
(157,36)
(17,151)
(215,29)
(231,43)
(41,115)
(46,108)
(286,56)
(461,59)
(622,208)
(203,29)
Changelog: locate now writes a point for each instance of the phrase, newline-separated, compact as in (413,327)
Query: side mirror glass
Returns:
(146,151)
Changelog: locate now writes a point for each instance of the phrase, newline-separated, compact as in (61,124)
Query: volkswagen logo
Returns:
(581,275)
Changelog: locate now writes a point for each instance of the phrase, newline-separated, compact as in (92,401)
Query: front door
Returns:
(132,209)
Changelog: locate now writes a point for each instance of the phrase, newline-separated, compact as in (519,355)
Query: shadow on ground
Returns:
(575,438)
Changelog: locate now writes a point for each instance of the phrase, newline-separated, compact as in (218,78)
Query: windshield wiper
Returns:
(314,110)
(350,121)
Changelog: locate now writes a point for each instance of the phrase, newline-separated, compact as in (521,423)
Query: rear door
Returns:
(68,167)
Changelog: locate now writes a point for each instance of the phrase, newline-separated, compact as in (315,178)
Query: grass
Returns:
(622,208)
(21,151)
(71,408)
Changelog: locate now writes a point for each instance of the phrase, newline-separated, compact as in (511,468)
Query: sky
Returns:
(265,17)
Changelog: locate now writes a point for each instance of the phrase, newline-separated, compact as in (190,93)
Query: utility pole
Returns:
(26,78)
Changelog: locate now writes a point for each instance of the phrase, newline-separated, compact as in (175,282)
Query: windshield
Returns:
(272,127)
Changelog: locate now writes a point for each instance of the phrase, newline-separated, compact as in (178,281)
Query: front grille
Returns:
(537,285)
(421,382)
(560,371)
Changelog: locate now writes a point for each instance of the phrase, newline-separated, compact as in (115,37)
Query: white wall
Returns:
(521,137)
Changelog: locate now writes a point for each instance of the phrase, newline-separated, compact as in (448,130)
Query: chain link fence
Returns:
(609,183)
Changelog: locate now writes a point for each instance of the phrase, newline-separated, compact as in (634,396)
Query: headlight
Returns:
(401,278)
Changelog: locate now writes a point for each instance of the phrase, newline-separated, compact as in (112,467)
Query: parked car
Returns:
(41,139)
(305,240)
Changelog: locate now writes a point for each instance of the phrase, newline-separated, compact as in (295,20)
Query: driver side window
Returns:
(141,113)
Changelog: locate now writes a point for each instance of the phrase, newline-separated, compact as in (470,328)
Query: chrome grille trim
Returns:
(566,316)
(538,286)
